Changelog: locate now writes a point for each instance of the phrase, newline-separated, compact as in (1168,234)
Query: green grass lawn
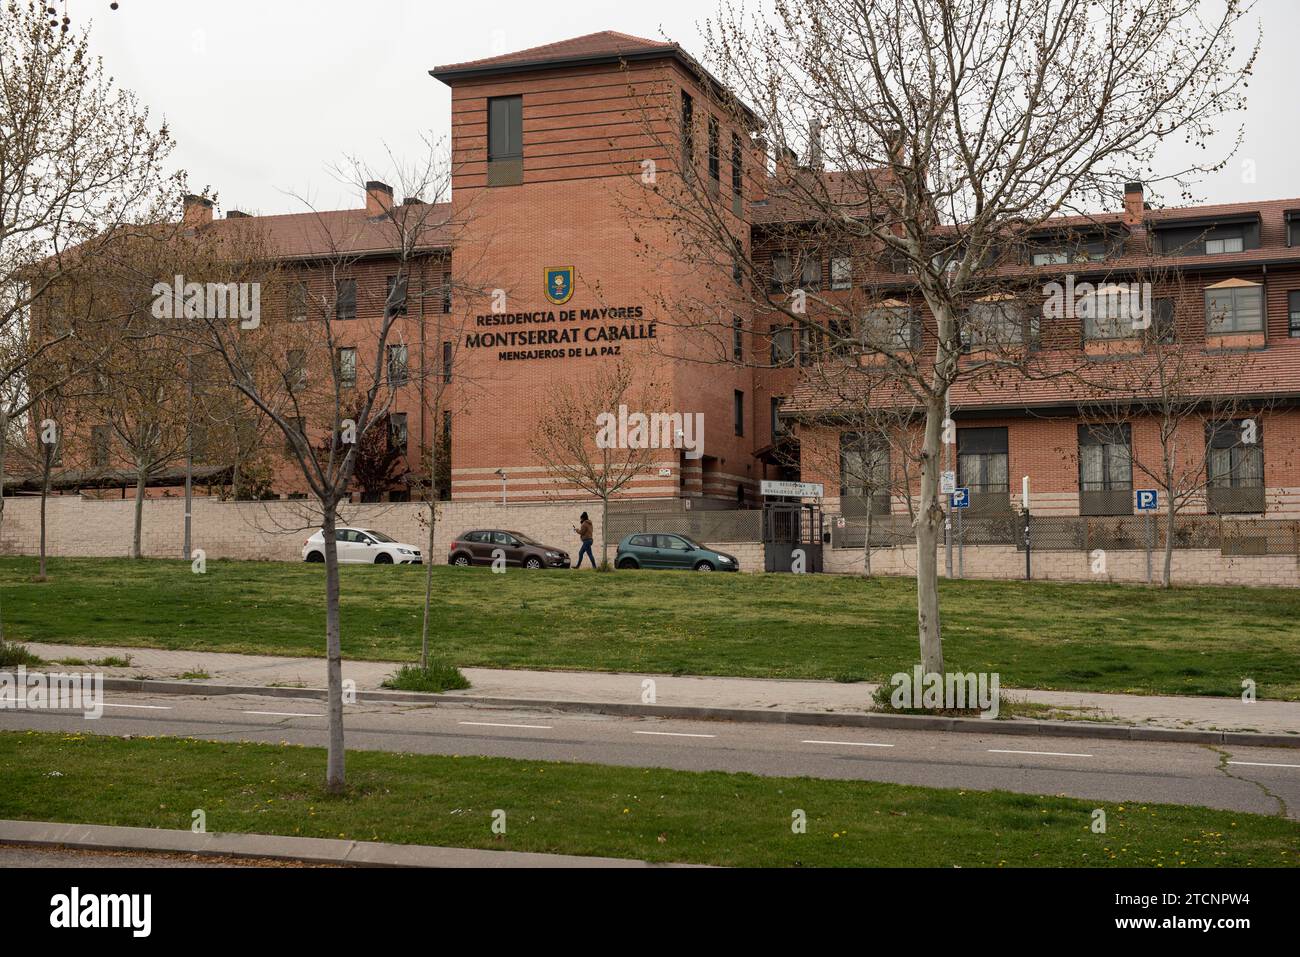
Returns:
(1037,635)
(652,814)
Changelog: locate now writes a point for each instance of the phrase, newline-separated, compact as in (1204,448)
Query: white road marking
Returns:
(144,707)
(494,724)
(675,734)
(1053,754)
(1263,764)
(286,714)
(851,744)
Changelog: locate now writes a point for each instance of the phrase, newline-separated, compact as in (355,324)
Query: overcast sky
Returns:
(264,95)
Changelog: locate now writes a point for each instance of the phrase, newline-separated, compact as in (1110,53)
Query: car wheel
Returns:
(626,563)
(703,567)
(461,560)
(533,562)
(383,558)
(315,557)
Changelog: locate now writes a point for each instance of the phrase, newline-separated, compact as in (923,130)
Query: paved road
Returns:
(1261,780)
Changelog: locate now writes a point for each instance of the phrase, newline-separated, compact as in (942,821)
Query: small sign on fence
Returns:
(1148,499)
(961,498)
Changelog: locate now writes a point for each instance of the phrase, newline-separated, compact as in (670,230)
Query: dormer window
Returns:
(1234,306)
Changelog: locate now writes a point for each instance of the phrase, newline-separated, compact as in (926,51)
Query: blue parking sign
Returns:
(961,498)
(1147,499)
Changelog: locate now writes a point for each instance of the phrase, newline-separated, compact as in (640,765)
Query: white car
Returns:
(362,546)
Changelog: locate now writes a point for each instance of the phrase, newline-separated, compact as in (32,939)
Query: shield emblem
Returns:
(559,284)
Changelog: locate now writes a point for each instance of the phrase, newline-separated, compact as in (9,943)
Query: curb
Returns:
(897,722)
(310,850)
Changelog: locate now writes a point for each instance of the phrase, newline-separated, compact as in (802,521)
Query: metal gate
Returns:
(789,527)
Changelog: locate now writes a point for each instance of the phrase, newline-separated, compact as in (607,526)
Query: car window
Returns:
(670,541)
(503,538)
(344,535)
(379,536)
(642,541)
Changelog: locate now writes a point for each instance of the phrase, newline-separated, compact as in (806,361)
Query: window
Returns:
(1293,313)
(345,299)
(100,443)
(446,294)
(299,426)
(737,339)
(810,276)
(347,367)
(781,272)
(1238,307)
(889,328)
(843,342)
(995,322)
(505,141)
(1234,464)
(807,351)
(642,541)
(395,295)
(1162,322)
(446,360)
(397,365)
(738,411)
(1105,470)
(776,415)
(737,262)
(688,135)
(1058,254)
(782,347)
(295,369)
(397,432)
(982,461)
(864,473)
(1111,312)
(841,271)
(737,176)
(1225,243)
(715,154)
(297,301)
(505,128)
(442,474)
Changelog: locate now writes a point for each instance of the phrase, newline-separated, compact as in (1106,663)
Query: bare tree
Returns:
(571,447)
(938,136)
(310,378)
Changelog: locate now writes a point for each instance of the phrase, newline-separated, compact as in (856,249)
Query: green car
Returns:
(660,550)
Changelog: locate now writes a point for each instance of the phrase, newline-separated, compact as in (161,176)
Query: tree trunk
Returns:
(428,581)
(45,496)
(604,536)
(1168,578)
(866,542)
(4,435)
(139,513)
(929,522)
(334,770)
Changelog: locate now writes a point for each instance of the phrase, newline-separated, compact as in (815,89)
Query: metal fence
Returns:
(703,525)
(1231,536)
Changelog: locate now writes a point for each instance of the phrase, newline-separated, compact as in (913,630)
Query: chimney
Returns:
(1134,204)
(815,144)
(786,163)
(196,211)
(379,198)
(237,214)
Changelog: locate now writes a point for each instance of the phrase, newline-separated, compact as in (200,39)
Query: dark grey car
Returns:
(480,546)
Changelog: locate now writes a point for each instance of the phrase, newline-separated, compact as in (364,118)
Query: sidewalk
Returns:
(315,850)
(1208,714)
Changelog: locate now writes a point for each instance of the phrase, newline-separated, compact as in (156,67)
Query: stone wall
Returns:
(1190,566)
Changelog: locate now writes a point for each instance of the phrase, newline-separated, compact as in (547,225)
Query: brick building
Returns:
(565,256)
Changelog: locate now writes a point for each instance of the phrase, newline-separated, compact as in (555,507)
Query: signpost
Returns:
(1148,500)
(961,502)
(793,489)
